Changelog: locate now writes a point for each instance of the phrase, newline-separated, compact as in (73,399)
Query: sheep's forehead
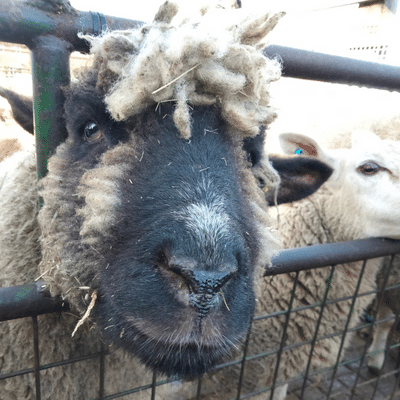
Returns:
(206,221)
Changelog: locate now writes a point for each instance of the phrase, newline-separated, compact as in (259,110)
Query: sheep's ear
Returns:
(300,177)
(22,108)
(295,143)
(360,137)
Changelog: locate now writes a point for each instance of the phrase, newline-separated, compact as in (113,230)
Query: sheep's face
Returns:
(365,183)
(371,179)
(161,227)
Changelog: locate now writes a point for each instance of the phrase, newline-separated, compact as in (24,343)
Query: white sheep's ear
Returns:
(298,144)
(360,138)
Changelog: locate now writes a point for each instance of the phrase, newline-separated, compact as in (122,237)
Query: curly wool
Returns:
(192,61)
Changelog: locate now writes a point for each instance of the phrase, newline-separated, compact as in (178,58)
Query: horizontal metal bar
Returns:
(32,299)
(311,65)
(24,21)
(48,366)
(321,255)
(28,300)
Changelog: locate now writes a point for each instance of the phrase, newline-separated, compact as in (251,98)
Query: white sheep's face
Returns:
(365,183)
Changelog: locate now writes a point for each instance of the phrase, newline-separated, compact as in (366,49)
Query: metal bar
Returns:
(32,299)
(50,71)
(283,340)
(311,65)
(346,328)
(28,300)
(314,339)
(321,255)
(241,375)
(199,383)
(22,21)
(36,358)
(102,371)
(153,386)
(50,31)
(375,313)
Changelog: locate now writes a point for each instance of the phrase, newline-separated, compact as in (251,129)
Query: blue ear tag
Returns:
(299,151)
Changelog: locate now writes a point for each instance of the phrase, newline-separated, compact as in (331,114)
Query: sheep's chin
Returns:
(188,360)
(186,344)
(188,357)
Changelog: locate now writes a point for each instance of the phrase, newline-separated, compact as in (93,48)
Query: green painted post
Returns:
(50,72)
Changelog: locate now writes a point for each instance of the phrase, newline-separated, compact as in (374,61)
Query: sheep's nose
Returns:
(204,286)
(205,282)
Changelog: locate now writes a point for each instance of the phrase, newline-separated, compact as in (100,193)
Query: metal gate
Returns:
(49,29)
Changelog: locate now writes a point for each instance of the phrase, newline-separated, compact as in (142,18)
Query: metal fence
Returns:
(49,29)
(349,374)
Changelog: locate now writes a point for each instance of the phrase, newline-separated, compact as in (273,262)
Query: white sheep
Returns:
(360,200)
(153,222)
(386,131)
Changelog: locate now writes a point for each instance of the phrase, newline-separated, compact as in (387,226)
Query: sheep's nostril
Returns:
(206,283)
(198,288)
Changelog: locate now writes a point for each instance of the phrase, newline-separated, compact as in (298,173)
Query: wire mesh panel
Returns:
(259,369)
(350,376)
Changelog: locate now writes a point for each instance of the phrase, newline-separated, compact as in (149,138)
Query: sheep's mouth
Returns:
(186,349)
(187,359)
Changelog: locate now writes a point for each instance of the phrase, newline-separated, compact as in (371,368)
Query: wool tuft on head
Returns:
(213,56)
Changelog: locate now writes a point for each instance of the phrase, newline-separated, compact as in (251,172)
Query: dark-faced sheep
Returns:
(154,220)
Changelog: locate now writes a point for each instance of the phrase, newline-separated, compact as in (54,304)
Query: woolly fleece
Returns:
(209,58)
(229,71)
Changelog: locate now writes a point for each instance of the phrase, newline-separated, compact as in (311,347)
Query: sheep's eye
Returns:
(92,131)
(369,168)
(299,151)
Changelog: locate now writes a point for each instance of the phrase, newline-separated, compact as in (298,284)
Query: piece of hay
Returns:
(87,313)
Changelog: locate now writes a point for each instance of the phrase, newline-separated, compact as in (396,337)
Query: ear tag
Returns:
(299,151)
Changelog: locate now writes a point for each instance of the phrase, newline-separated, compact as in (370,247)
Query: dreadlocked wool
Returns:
(211,57)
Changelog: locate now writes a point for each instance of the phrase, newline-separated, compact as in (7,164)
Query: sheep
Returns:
(155,222)
(390,299)
(9,147)
(359,200)
(388,130)
(22,105)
